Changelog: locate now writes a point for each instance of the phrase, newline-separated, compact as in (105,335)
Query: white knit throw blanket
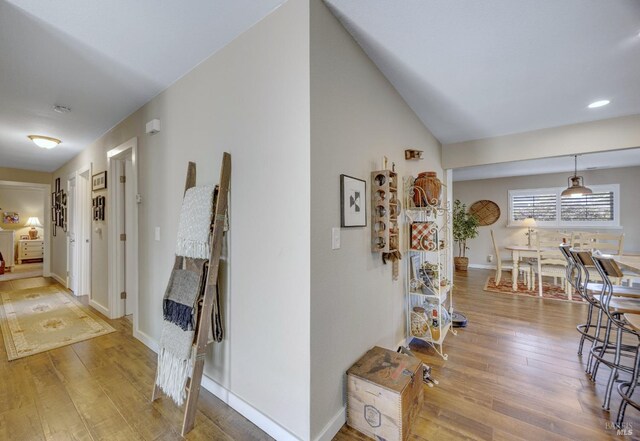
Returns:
(175,361)
(195,223)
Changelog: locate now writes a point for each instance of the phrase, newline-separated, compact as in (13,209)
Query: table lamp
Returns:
(33,222)
(529,223)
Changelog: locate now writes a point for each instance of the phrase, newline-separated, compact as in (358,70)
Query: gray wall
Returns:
(356,118)
(252,100)
(497,191)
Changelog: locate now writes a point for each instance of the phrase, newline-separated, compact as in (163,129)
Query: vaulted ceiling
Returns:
(478,69)
(102,59)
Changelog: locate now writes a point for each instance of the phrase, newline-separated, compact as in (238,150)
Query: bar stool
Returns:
(614,308)
(626,389)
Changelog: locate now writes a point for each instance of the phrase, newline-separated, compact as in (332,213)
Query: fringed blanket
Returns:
(180,306)
(195,223)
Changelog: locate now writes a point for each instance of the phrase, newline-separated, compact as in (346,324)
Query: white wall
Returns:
(356,118)
(252,100)
(595,136)
(497,191)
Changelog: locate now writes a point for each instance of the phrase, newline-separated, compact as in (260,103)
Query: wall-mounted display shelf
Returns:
(385,208)
(429,262)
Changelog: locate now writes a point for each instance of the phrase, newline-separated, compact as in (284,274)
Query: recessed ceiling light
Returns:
(600,103)
(45,142)
(61,109)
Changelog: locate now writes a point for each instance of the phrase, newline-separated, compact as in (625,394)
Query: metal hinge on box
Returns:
(123,295)
(123,237)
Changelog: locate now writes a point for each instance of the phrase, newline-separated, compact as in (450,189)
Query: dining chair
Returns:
(507,264)
(551,262)
(627,388)
(607,243)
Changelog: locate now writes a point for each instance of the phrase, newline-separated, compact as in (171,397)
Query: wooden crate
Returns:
(384,394)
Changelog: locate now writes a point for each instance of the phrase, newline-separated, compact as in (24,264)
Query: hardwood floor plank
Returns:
(513,374)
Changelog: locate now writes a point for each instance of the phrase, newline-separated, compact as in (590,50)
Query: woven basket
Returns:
(486,211)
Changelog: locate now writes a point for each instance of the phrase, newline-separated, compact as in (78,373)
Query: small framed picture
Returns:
(99,181)
(24,237)
(353,205)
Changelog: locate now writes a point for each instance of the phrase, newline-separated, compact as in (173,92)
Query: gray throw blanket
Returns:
(180,307)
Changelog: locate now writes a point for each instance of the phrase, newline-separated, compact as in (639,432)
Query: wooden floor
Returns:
(99,389)
(512,374)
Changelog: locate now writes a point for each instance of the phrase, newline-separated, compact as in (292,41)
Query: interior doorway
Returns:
(24,236)
(79,232)
(123,238)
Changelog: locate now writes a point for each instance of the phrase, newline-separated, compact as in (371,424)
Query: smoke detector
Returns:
(61,109)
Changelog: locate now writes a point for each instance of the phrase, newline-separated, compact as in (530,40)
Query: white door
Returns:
(72,277)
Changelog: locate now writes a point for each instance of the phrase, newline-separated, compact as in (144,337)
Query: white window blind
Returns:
(549,209)
(541,207)
(592,207)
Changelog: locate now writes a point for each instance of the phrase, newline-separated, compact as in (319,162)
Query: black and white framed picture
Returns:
(353,205)
(99,181)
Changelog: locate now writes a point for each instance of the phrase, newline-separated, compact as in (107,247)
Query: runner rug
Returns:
(36,320)
(549,290)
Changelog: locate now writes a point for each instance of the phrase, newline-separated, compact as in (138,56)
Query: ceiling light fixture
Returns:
(61,109)
(45,142)
(596,104)
(576,186)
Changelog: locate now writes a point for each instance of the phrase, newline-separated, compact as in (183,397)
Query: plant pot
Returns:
(461,263)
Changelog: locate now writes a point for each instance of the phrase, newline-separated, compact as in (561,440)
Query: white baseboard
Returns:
(482,266)
(145,338)
(59,279)
(333,426)
(97,306)
(245,409)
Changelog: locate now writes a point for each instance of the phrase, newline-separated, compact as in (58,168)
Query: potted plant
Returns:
(465,227)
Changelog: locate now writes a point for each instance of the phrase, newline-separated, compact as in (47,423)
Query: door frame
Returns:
(46,229)
(82,222)
(115,253)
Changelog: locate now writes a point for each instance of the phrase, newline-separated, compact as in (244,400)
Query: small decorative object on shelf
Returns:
(430,266)
(427,190)
(384,217)
(412,154)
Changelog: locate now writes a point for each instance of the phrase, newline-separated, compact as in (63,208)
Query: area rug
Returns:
(549,290)
(36,320)
(23,271)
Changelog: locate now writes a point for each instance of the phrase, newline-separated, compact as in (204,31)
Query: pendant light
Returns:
(576,186)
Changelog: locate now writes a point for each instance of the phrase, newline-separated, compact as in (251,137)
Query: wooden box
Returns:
(384,394)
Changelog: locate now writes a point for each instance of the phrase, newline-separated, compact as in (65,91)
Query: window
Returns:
(550,209)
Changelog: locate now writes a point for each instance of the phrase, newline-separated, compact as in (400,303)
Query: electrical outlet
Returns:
(490,258)
(335,238)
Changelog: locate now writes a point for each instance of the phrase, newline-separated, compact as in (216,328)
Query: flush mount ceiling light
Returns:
(576,186)
(61,109)
(596,104)
(45,142)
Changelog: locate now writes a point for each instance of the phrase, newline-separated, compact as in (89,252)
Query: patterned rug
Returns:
(36,320)
(549,290)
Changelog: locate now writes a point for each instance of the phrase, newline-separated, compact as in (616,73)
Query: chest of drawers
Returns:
(30,249)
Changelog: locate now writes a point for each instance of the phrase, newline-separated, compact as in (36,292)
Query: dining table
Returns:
(630,262)
(519,252)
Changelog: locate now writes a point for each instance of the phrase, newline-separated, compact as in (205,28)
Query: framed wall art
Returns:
(353,205)
(99,181)
(10,217)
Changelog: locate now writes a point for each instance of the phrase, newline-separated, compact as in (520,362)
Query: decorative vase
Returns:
(427,189)
(461,263)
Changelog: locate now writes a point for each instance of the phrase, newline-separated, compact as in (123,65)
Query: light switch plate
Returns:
(157,234)
(335,238)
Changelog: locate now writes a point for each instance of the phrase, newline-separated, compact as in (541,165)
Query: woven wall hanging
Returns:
(486,211)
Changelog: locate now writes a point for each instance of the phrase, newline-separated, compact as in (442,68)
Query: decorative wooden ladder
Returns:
(206,307)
